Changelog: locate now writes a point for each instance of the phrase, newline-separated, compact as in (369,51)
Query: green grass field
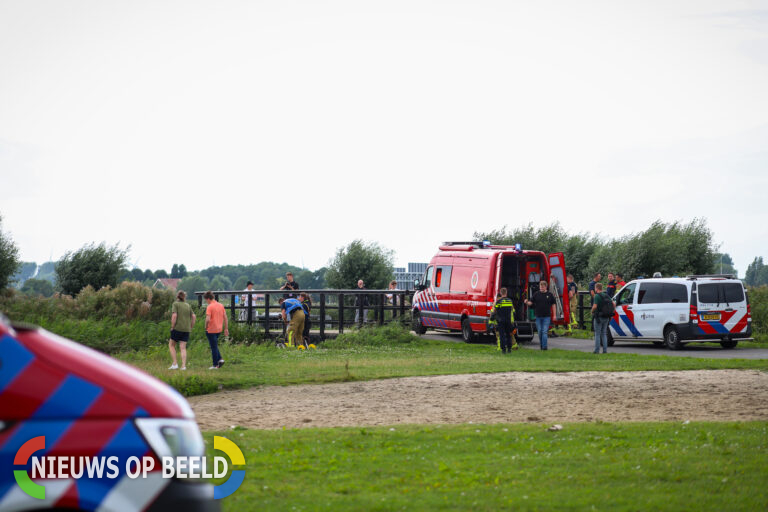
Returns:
(254,365)
(588,466)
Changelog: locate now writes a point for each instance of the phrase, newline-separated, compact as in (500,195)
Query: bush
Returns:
(758,300)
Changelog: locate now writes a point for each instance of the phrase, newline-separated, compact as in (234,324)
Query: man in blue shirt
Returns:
(292,310)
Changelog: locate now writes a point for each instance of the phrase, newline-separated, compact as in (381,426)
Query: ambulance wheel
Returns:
(610,338)
(417,326)
(672,338)
(729,343)
(466,331)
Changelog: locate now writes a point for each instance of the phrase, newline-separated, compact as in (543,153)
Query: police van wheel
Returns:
(417,326)
(672,338)
(726,343)
(466,331)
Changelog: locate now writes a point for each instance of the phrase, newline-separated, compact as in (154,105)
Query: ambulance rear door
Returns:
(557,278)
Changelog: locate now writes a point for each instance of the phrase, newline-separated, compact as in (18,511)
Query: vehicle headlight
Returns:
(172,437)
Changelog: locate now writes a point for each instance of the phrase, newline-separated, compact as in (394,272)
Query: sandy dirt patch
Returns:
(706,395)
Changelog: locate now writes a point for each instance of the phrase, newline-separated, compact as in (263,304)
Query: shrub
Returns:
(758,300)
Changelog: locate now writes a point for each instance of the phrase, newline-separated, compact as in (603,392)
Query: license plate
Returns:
(710,316)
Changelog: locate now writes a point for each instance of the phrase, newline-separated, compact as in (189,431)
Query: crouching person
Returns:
(292,312)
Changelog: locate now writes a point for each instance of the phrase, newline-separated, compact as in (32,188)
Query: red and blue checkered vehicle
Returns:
(61,399)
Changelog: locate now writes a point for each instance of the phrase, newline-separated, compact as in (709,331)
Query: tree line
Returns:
(670,248)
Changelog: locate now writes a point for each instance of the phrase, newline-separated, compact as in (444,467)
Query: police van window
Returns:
(674,293)
(708,293)
(428,277)
(626,294)
(442,279)
(734,292)
(650,293)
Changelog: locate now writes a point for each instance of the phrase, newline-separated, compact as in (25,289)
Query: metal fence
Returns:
(331,309)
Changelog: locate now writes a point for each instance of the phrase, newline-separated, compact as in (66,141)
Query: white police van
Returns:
(674,311)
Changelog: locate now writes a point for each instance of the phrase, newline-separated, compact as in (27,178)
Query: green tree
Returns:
(220,282)
(137,274)
(192,284)
(724,264)
(359,260)
(182,271)
(26,271)
(9,258)
(578,249)
(37,287)
(240,283)
(757,273)
(175,271)
(95,265)
(161,274)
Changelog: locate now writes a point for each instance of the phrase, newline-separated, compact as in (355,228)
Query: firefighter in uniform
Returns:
(292,312)
(504,314)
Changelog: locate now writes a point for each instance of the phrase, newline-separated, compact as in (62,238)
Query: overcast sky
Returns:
(226,132)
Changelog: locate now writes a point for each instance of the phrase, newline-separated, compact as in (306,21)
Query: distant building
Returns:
(167,284)
(405,278)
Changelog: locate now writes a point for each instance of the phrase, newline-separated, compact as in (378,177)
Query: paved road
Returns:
(691,350)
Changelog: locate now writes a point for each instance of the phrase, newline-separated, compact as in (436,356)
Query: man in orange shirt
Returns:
(215,319)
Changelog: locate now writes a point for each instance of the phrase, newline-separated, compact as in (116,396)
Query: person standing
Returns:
(182,322)
(602,311)
(596,279)
(293,314)
(306,303)
(244,301)
(611,288)
(391,297)
(215,321)
(361,300)
(504,313)
(573,293)
(290,284)
(620,283)
(543,303)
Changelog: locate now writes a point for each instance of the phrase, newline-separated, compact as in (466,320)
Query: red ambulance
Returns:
(60,399)
(461,283)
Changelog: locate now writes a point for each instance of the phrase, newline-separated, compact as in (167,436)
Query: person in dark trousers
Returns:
(611,288)
(573,292)
(504,314)
(592,284)
(306,303)
(215,321)
(543,303)
(290,284)
(600,319)
(365,303)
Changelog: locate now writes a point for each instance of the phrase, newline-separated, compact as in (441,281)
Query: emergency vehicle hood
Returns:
(39,368)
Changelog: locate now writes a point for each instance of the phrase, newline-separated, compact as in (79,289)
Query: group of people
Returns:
(543,303)
(295,311)
(183,320)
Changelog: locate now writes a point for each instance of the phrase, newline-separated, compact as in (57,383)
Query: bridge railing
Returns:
(332,310)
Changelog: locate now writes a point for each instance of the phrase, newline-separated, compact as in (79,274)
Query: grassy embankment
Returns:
(599,466)
(374,354)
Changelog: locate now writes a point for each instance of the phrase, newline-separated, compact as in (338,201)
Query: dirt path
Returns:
(716,395)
